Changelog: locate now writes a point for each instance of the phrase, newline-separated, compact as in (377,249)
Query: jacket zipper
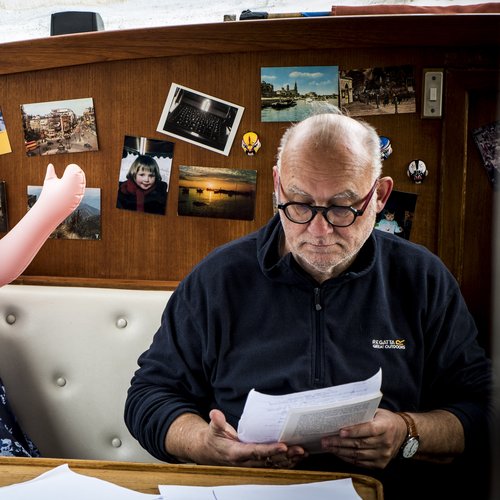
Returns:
(317,360)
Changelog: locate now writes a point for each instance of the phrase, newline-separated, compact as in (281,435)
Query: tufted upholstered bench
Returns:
(67,355)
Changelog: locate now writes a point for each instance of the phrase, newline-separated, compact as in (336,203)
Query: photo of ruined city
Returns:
(290,94)
(57,127)
(378,91)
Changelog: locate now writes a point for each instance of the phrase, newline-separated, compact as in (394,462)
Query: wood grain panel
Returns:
(128,74)
(466,197)
(145,478)
(128,98)
(387,31)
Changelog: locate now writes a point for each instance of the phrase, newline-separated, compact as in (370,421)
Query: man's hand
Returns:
(191,439)
(374,444)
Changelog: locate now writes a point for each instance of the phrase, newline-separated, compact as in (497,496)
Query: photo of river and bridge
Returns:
(291,94)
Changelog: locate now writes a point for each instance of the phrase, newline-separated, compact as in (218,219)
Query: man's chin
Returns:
(323,265)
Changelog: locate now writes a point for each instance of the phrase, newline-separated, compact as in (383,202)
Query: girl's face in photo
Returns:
(144,178)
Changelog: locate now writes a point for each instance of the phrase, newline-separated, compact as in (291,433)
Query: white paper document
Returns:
(61,483)
(305,417)
(339,489)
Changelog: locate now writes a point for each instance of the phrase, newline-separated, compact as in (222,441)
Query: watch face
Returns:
(410,447)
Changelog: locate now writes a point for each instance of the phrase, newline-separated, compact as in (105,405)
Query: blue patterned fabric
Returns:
(13,441)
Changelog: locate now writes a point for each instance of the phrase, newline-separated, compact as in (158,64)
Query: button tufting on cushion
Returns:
(68,361)
(116,442)
(121,323)
(61,381)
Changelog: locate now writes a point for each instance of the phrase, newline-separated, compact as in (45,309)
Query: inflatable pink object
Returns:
(58,199)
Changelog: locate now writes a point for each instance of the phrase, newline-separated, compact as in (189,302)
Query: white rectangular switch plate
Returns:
(432,101)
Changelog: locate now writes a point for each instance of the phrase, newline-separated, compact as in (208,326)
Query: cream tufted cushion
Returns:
(67,355)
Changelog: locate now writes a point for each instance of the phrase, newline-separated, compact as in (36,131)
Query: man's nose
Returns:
(319,224)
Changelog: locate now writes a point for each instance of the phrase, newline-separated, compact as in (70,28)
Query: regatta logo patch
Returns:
(389,344)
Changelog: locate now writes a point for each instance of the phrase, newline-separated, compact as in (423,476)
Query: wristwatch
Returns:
(410,444)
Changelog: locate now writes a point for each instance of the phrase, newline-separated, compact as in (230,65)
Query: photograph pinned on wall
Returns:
(378,90)
(397,215)
(291,94)
(201,119)
(56,127)
(4,218)
(223,193)
(84,223)
(487,139)
(4,138)
(144,176)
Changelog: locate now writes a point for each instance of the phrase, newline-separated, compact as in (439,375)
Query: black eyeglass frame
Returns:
(314,209)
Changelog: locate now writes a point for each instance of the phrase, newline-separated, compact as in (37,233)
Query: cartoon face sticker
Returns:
(417,171)
(250,143)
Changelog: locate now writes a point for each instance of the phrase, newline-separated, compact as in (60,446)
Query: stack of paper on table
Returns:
(338,489)
(61,483)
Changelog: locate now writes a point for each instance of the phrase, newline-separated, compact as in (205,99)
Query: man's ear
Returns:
(275,178)
(384,190)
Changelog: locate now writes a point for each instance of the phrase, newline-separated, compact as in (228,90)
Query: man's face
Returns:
(325,179)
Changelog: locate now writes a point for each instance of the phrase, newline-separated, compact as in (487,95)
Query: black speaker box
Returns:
(64,23)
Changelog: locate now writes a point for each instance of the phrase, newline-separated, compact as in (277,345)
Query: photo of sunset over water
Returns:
(217,192)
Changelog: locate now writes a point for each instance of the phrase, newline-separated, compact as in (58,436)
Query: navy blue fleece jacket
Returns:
(245,318)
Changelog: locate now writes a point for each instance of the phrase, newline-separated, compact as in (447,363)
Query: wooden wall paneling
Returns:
(477,269)
(129,73)
(128,98)
(466,197)
(260,35)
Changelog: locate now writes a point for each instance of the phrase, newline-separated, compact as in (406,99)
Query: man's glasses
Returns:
(335,215)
